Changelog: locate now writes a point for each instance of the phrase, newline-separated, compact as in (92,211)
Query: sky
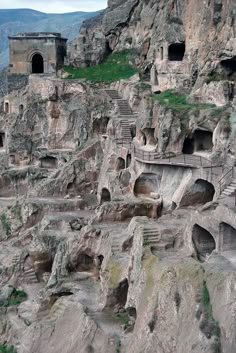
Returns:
(55,6)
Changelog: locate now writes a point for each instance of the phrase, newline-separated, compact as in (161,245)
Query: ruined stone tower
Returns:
(36,52)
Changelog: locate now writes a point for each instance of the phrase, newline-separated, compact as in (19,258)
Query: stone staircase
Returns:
(126,133)
(229,190)
(151,235)
(18,262)
(113,94)
(124,107)
(29,276)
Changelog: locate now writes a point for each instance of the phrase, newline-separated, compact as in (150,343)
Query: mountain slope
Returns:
(26,20)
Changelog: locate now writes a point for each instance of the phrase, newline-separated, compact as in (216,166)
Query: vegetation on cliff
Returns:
(115,67)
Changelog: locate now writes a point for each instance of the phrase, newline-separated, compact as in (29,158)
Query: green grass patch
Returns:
(115,67)
(178,102)
(6,226)
(17,297)
(7,349)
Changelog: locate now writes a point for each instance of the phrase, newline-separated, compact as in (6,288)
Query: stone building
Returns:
(36,52)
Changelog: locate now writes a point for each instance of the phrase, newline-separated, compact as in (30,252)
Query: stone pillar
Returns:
(154,80)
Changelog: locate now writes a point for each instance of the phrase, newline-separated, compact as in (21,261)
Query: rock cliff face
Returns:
(185,49)
(117,201)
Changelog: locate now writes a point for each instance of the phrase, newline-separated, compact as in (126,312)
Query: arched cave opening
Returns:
(48,162)
(203,241)
(161,53)
(145,184)
(6,107)
(228,237)
(105,195)
(199,193)
(21,109)
(120,164)
(176,51)
(37,64)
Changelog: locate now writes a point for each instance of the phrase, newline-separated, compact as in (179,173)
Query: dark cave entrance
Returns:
(120,164)
(200,193)
(37,64)
(7,107)
(21,109)
(203,241)
(145,184)
(122,293)
(200,141)
(105,195)
(229,67)
(128,160)
(228,237)
(2,139)
(176,51)
(188,147)
(49,162)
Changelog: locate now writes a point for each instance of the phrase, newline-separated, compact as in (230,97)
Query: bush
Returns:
(115,67)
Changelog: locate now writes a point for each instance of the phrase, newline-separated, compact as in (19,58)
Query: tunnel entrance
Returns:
(105,195)
(203,241)
(176,51)
(228,237)
(49,162)
(37,64)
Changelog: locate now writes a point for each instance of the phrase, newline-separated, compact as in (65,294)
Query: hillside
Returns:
(23,20)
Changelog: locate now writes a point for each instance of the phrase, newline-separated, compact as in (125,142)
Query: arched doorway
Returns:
(37,64)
